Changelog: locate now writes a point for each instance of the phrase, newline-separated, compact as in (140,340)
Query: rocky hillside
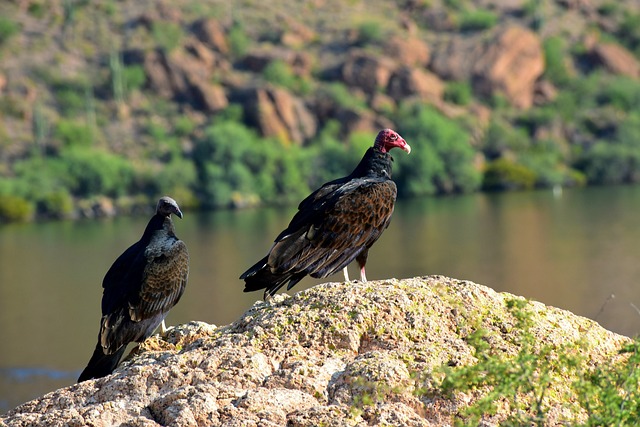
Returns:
(415,352)
(494,94)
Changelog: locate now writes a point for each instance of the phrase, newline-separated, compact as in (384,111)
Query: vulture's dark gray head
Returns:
(167,206)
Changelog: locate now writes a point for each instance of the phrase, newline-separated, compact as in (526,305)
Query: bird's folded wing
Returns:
(164,281)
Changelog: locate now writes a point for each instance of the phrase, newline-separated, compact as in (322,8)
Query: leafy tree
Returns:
(442,161)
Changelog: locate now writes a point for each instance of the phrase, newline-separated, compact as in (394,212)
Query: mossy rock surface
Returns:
(337,354)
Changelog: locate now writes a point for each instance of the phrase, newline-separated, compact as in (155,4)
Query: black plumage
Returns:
(334,225)
(140,288)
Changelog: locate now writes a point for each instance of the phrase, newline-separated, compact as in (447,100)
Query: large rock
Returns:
(299,62)
(509,65)
(367,71)
(338,354)
(408,82)
(278,113)
(616,59)
(409,51)
(211,32)
(185,76)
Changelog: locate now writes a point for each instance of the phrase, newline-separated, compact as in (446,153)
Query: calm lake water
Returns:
(572,251)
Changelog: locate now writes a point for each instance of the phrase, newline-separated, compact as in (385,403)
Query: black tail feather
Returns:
(100,364)
(260,277)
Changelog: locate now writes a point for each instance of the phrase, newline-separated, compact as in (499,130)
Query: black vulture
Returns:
(140,288)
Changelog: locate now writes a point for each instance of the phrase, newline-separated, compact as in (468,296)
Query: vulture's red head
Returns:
(388,139)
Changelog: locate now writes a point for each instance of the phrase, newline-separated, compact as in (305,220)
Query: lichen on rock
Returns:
(337,354)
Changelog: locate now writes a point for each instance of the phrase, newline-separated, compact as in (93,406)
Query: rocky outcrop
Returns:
(616,59)
(338,354)
(277,113)
(186,75)
(367,71)
(508,63)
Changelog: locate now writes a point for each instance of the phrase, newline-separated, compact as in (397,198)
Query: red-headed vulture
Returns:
(334,225)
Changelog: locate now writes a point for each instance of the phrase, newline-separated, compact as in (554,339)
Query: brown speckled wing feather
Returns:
(165,278)
(348,224)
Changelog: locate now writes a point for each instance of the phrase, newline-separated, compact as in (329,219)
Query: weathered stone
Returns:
(510,65)
(408,82)
(366,71)
(185,78)
(278,113)
(615,59)
(410,51)
(299,62)
(334,355)
(354,120)
(454,57)
(210,31)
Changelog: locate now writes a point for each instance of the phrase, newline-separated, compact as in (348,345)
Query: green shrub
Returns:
(134,77)
(339,94)
(477,20)
(442,159)
(184,126)
(622,92)
(555,56)
(57,204)
(239,41)
(629,31)
(94,172)
(370,32)
(15,208)
(233,164)
(72,134)
(8,29)
(279,73)
(504,174)
(167,35)
(458,93)
(546,162)
(501,137)
(607,163)
(70,98)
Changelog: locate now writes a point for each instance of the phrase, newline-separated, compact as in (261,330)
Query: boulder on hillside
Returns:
(356,120)
(294,33)
(367,71)
(338,354)
(185,76)
(211,32)
(616,59)
(407,82)
(300,62)
(507,63)
(454,57)
(510,64)
(410,51)
(276,112)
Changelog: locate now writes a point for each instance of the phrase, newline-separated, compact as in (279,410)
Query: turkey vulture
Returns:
(334,225)
(140,288)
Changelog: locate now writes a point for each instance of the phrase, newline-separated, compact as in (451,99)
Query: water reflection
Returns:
(571,251)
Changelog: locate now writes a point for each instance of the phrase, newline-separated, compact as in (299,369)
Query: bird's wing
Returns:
(123,278)
(164,281)
(331,229)
(138,291)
